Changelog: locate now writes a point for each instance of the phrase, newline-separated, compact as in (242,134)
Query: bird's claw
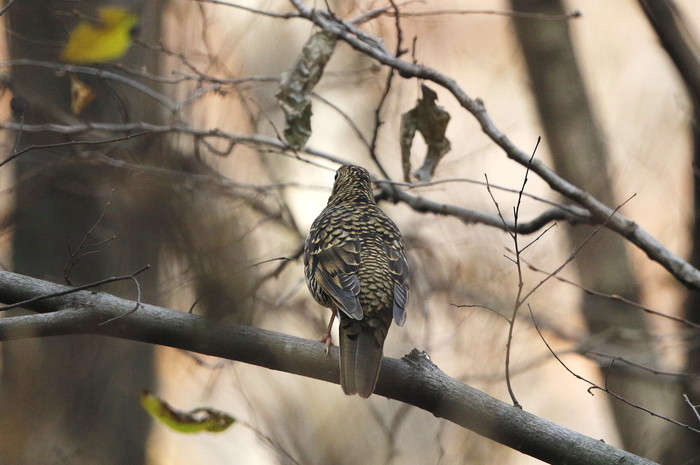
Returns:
(328,341)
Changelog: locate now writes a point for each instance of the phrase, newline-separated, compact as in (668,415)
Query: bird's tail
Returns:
(360,358)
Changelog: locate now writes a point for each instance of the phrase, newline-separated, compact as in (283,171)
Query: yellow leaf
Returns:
(105,40)
(194,421)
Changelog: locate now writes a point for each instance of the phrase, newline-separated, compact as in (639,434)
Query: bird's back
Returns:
(355,265)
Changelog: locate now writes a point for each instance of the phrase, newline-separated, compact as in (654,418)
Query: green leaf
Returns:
(297,84)
(194,421)
(431,121)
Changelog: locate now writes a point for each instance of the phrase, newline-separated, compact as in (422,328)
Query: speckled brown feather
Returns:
(355,265)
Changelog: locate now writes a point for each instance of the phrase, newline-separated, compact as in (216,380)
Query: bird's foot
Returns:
(328,341)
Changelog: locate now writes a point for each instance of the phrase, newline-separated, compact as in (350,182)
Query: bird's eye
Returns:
(336,175)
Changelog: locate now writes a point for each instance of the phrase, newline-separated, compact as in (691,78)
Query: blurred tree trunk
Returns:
(579,155)
(75,399)
(683,447)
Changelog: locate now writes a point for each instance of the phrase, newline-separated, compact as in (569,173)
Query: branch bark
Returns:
(414,379)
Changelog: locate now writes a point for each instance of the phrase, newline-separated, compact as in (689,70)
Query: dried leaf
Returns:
(81,95)
(298,82)
(407,132)
(194,421)
(431,121)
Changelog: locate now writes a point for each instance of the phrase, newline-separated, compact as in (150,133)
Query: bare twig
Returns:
(7,5)
(693,407)
(593,386)
(16,153)
(573,253)
(592,354)
(137,304)
(98,72)
(252,10)
(518,298)
(256,140)
(387,11)
(617,298)
(513,14)
(73,290)
(346,117)
(385,93)
(485,307)
(78,254)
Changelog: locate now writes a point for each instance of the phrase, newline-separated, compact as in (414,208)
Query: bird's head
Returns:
(352,184)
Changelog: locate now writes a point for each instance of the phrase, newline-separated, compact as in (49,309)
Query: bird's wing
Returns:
(399,268)
(335,269)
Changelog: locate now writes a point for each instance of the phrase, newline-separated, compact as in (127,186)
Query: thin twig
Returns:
(16,153)
(98,72)
(8,5)
(518,301)
(74,255)
(574,252)
(514,14)
(136,306)
(385,94)
(592,354)
(346,117)
(485,307)
(75,289)
(617,298)
(593,386)
(252,10)
(693,407)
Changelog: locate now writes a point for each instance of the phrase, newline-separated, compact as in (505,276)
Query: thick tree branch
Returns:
(412,379)
(372,47)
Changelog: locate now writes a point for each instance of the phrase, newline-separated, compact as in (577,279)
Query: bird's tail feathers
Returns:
(360,360)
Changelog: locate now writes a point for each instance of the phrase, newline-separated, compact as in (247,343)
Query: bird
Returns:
(105,39)
(354,264)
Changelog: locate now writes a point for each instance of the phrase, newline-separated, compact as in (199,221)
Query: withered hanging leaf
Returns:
(298,82)
(194,421)
(431,121)
(407,132)
(81,95)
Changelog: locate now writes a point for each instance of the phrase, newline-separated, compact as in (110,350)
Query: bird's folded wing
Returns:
(399,268)
(336,272)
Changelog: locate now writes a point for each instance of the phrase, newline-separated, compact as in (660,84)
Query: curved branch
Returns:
(469,216)
(372,47)
(414,379)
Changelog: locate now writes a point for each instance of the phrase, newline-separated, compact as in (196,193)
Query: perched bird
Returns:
(355,265)
(105,39)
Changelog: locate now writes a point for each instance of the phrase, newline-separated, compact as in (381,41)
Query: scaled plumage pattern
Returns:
(355,265)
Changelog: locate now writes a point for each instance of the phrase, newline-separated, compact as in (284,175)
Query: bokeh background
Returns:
(214,217)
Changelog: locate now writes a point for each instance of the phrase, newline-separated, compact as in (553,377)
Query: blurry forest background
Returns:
(206,192)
